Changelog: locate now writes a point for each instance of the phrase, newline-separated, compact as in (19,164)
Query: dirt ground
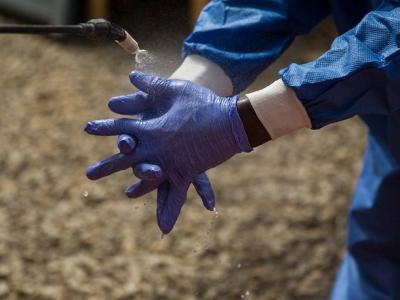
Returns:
(282,209)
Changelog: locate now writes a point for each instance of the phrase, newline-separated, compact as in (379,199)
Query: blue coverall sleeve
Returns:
(359,75)
(244,37)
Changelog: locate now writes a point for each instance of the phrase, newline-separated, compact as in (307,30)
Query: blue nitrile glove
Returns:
(197,130)
(125,143)
(150,176)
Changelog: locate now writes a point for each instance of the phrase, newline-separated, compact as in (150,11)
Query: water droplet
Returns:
(85,194)
(239,266)
(242,296)
(247,293)
(143,59)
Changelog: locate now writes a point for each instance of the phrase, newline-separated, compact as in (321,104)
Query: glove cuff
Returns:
(255,130)
(237,127)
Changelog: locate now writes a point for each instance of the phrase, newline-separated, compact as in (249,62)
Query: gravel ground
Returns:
(282,209)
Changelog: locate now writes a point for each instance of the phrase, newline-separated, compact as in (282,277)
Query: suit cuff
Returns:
(279,109)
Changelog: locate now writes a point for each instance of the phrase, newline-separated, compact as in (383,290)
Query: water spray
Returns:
(98,29)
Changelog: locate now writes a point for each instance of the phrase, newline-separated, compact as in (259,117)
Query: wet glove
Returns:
(143,107)
(196,130)
(151,176)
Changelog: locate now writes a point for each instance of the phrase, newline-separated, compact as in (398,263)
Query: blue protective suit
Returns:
(359,75)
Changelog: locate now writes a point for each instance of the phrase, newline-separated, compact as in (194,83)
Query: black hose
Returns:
(97,29)
(41,29)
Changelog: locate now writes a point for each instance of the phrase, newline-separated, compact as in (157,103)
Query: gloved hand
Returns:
(150,176)
(196,130)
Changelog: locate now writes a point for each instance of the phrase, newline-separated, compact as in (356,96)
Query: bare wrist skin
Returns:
(255,130)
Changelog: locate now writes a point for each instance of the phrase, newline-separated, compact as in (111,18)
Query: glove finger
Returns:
(203,187)
(170,199)
(126,144)
(142,187)
(133,104)
(148,172)
(113,127)
(149,84)
(112,164)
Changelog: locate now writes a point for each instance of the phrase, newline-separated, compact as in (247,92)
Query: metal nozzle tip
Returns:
(129,44)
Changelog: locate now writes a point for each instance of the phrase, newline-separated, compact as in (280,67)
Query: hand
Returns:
(196,130)
(150,177)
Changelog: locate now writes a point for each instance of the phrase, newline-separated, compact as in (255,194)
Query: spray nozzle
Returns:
(103,29)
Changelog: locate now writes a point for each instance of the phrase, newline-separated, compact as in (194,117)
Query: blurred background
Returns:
(280,230)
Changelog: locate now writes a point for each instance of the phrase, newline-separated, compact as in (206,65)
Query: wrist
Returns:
(279,109)
(255,130)
(206,73)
